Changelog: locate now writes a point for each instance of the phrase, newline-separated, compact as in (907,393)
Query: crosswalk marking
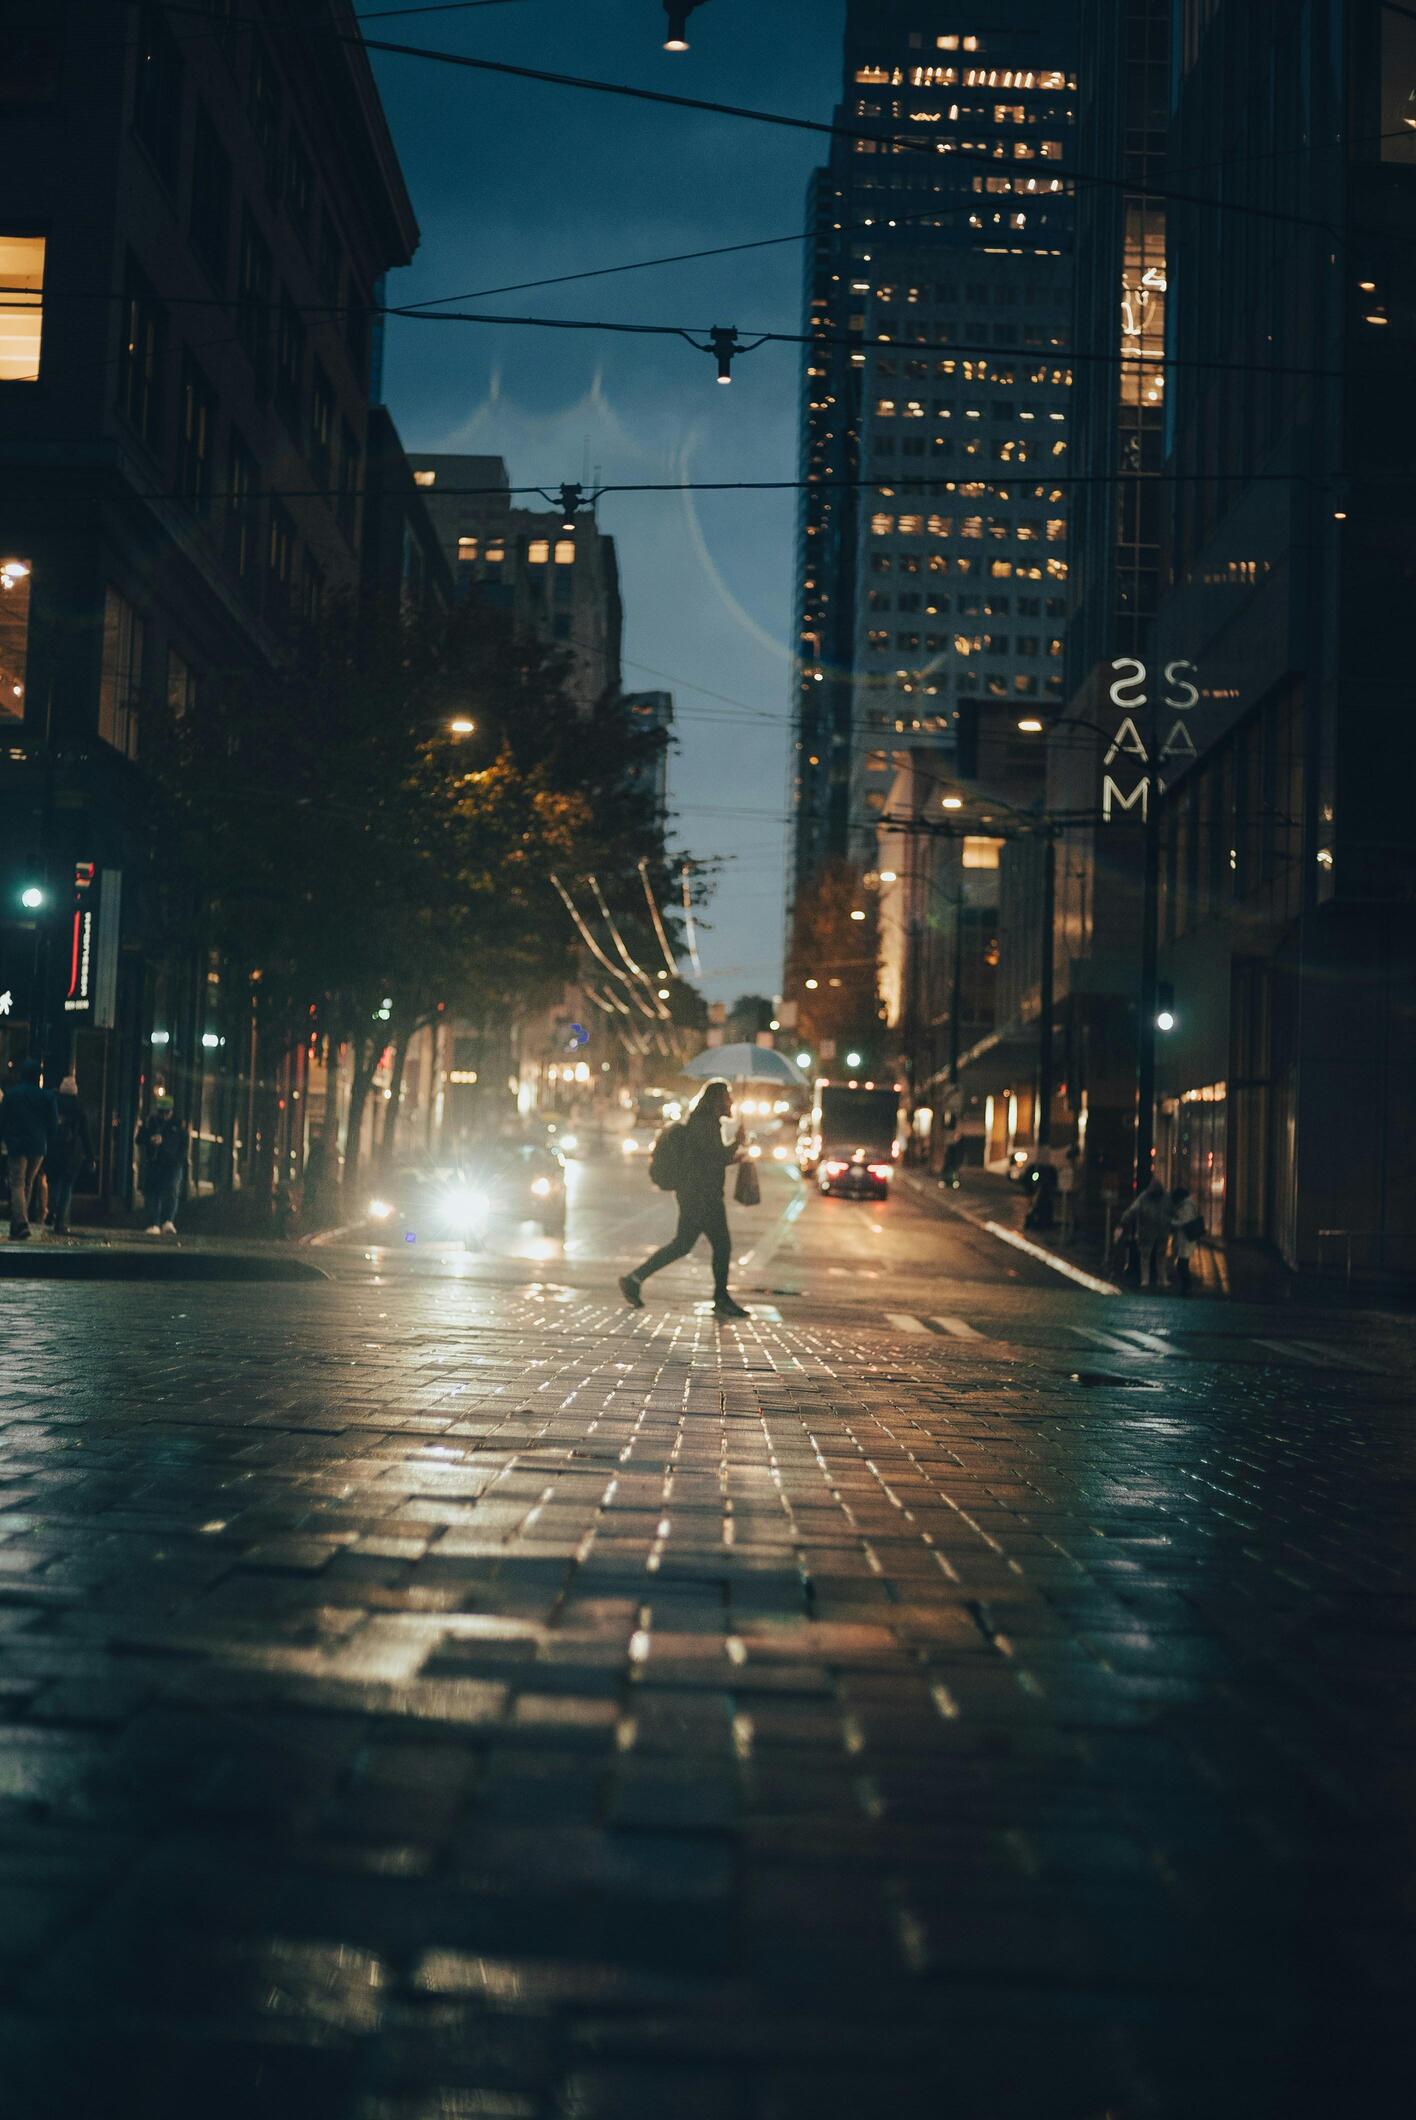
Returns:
(1130,1339)
(1319,1357)
(1112,1341)
(1150,1341)
(1292,1347)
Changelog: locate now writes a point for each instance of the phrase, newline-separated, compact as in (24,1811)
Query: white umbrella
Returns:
(746,1063)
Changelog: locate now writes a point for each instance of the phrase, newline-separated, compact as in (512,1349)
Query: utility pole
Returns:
(1145,1029)
(1045,995)
(956,990)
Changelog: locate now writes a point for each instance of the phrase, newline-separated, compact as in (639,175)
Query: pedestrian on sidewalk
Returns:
(700,1166)
(1146,1223)
(1067,1192)
(29,1120)
(162,1150)
(1186,1228)
(1041,1174)
(69,1156)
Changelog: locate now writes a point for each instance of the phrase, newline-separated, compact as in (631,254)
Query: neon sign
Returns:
(1128,692)
(79,998)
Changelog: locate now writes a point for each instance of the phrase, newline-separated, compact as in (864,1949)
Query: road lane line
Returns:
(766,1247)
(903,1322)
(959,1327)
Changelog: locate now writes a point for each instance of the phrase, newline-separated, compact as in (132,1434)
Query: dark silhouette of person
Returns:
(703,1159)
(70,1154)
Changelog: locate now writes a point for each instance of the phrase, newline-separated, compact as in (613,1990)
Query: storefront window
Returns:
(1195,1142)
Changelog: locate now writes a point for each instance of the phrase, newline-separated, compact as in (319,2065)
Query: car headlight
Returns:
(754,1151)
(465,1207)
(779,1154)
(568,1143)
(379,1210)
(541,1188)
(629,1146)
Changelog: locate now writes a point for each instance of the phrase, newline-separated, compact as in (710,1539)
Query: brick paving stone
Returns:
(464,1703)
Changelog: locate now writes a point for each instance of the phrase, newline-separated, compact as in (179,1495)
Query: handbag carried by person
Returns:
(747,1187)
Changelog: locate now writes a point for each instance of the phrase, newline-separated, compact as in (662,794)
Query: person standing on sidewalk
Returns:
(29,1120)
(1186,1228)
(1147,1223)
(702,1165)
(1067,1192)
(69,1156)
(162,1151)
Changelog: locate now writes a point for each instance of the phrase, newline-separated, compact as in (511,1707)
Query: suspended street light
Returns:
(570,499)
(724,344)
(676,30)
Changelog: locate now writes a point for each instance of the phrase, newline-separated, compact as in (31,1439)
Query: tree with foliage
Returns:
(363,865)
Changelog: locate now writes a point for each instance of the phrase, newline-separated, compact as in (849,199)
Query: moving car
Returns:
(509,1181)
(853,1140)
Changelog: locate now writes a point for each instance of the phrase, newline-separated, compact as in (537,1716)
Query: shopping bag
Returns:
(747,1190)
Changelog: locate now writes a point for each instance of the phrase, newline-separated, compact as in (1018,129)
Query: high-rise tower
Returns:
(937,297)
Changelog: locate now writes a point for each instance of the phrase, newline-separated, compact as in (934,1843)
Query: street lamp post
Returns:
(1145,1030)
(1045,994)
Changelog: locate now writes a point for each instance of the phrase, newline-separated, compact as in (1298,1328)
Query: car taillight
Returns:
(882,1170)
(835,1168)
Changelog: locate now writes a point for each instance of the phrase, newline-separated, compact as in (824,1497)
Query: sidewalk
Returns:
(982,1197)
(110,1253)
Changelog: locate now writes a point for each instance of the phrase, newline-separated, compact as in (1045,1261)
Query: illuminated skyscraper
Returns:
(938,301)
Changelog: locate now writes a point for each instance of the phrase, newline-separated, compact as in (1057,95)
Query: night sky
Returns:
(514,180)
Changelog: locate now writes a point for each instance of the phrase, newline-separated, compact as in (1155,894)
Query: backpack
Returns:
(669,1162)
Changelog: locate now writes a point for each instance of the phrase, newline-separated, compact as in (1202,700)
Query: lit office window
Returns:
(21,307)
(538,551)
(565,552)
(14,636)
(467,549)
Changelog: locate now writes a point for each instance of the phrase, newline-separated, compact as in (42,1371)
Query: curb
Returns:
(114,1263)
(1013,1237)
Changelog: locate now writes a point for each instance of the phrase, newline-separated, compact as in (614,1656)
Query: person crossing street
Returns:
(700,1163)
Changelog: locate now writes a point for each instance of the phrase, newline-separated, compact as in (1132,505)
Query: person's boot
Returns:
(629,1289)
(725,1307)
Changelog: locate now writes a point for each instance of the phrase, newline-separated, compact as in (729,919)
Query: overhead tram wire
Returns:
(819,126)
(880,224)
(901,142)
(693,336)
(1010,484)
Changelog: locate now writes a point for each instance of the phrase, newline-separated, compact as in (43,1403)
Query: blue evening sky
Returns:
(514,180)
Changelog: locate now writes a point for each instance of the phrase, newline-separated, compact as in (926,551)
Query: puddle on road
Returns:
(1097,1379)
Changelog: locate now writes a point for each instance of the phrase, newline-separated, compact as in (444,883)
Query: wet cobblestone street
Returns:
(435,1700)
